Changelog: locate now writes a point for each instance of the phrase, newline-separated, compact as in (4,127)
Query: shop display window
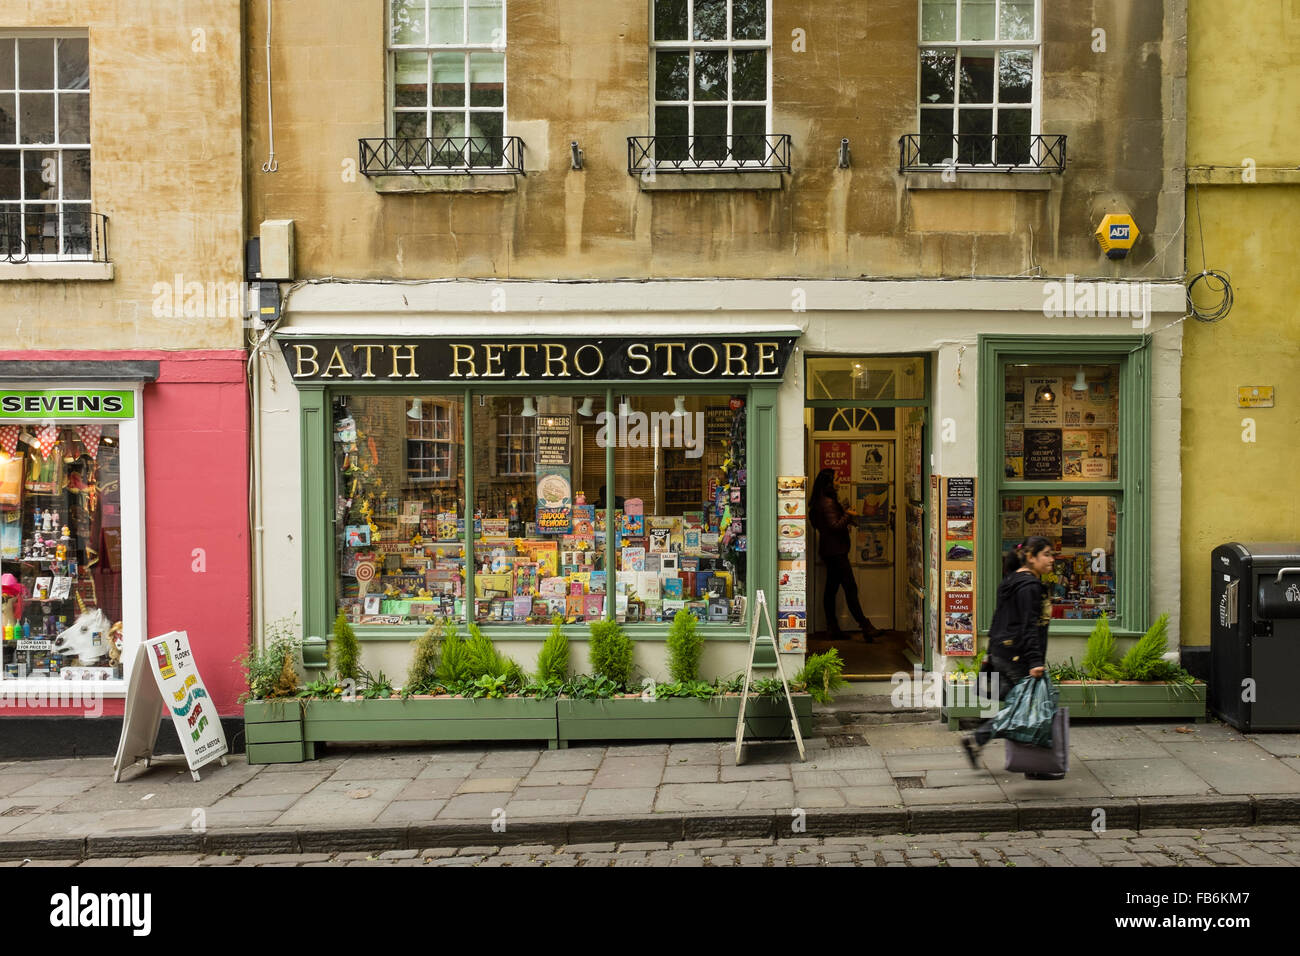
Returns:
(1082,529)
(1062,422)
(61,551)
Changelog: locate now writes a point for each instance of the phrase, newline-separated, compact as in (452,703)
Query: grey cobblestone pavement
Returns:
(1231,846)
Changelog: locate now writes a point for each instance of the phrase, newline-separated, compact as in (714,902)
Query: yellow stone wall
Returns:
(578,70)
(166,124)
(1243,72)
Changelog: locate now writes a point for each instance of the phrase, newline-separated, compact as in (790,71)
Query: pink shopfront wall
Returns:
(196,509)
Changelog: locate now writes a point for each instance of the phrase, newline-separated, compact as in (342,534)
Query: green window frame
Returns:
(318,494)
(1132,545)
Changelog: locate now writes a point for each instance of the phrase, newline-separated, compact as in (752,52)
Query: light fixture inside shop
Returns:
(1045,394)
(1080,383)
(530,410)
(679,407)
(416,411)
(624,409)
(585,409)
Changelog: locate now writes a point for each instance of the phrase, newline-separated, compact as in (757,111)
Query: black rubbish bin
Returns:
(1255,635)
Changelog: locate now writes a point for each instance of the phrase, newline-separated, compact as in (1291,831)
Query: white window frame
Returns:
(441,449)
(994,46)
(37,692)
(11,85)
(430,48)
(690,46)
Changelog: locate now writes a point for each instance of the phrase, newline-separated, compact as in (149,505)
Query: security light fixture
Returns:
(576,154)
(845,158)
(679,406)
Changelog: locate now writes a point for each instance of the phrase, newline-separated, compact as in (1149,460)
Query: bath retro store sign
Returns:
(542,360)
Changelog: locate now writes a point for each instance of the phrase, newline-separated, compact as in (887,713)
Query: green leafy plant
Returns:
(345,650)
(273,673)
(542,688)
(767,687)
(588,687)
(323,687)
(482,658)
(1145,657)
(553,659)
(729,685)
(1067,671)
(611,652)
(685,645)
(453,662)
(492,686)
(1099,658)
(423,671)
(375,686)
(821,675)
(966,668)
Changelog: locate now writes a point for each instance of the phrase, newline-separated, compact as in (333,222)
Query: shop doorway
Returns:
(867,418)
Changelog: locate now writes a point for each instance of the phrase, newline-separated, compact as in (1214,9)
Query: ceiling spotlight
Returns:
(416,411)
(1080,383)
(679,406)
(529,411)
(585,409)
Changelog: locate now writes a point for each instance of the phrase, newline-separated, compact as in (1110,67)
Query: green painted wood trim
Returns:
(281,732)
(379,731)
(316,545)
(760,505)
(611,571)
(428,708)
(677,728)
(866,403)
(675,708)
(278,753)
(467,419)
(1133,354)
(272,711)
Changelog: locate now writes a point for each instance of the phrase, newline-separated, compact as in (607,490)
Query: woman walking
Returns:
(832,521)
(1018,634)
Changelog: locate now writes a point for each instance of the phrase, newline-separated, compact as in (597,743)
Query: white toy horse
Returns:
(79,638)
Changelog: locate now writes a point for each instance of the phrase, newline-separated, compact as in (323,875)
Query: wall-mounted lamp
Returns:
(623,408)
(1080,383)
(679,407)
(416,410)
(844,153)
(576,154)
(529,410)
(585,409)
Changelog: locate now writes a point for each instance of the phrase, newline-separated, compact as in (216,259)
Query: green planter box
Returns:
(630,718)
(1131,700)
(428,718)
(273,732)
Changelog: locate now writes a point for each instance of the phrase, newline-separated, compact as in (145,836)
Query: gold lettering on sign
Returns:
(577,359)
(369,349)
(492,356)
(315,366)
(336,361)
(741,358)
(457,358)
(766,354)
(637,352)
(523,350)
(408,357)
(690,358)
(552,357)
(668,347)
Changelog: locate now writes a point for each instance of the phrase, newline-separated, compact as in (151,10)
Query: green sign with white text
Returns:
(66,403)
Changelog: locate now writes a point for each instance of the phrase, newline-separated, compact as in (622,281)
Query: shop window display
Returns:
(1062,423)
(1082,529)
(60,551)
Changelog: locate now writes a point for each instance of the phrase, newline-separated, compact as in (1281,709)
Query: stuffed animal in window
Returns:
(87,638)
(12,604)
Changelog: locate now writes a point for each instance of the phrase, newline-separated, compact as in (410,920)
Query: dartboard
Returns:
(365,571)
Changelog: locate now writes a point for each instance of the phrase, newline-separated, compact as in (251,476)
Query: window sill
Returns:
(1019,182)
(446,183)
(56,272)
(741,179)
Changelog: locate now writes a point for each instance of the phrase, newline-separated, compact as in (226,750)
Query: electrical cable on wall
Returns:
(271,165)
(1208,278)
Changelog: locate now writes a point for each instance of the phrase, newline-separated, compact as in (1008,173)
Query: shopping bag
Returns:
(1027,714)
(1023,758)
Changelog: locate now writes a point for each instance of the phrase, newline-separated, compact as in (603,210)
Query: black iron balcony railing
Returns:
(1005,152)
(60,234)
(447,155)
(709,154)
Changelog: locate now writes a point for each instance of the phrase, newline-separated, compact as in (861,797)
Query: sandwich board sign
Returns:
(173,682)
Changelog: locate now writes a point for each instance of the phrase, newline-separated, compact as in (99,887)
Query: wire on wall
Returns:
(1212,281)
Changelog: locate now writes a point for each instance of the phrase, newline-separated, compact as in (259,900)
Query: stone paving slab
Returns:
(1237,766)
(1143,777)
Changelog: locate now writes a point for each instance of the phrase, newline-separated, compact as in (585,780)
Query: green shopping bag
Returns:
(1027,714)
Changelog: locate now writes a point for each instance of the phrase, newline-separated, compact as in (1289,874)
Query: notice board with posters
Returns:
(957,551)
(173,682)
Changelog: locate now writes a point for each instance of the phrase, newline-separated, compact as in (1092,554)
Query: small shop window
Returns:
(1062,422)
(399,507)
(1082,529)
(865,378)
(61,550)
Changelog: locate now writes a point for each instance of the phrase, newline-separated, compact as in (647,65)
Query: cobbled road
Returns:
(1235,846)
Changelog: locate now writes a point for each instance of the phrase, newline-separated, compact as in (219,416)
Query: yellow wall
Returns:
(166,127)
(1243,73)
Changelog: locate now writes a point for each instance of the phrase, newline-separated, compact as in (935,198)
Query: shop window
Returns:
(516,437)
(399,507)
(680,482)
(61,550)
(865,378)
(1063,456)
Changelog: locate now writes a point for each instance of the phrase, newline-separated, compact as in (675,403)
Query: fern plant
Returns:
(553,659)
(483,659)
(424,665)
(685,645)
(1144,658)
(345,650)
(821,675)
(453,663)
(1099,658)
(274,672)
(611,652)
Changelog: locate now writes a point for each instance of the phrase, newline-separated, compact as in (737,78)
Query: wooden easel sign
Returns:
(176,684)
(760,604)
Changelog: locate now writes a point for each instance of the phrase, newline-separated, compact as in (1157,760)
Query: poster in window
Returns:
(838,456)
(554,500)
(1042,453)
(1043,516)
(553,439)
(872,461)
(1042,401)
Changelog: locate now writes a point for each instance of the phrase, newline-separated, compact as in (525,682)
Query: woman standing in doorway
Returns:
(832,521)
